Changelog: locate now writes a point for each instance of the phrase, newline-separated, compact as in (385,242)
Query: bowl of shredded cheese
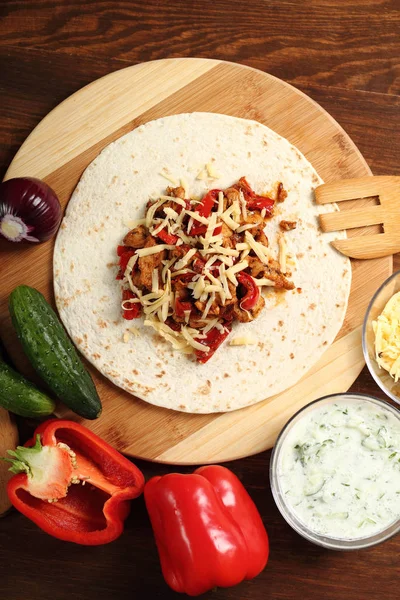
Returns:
(381,337)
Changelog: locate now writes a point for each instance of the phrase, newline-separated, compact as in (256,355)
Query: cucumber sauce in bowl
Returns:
(335,472)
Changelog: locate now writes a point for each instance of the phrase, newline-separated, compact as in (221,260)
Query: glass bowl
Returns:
(291,518)
(376,306)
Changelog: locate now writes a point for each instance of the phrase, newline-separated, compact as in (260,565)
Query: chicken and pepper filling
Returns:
(194,267)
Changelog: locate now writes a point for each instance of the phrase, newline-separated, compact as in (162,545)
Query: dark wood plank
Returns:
(345,55)
(324,42)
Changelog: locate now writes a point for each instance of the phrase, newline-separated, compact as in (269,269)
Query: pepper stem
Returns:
(22,457)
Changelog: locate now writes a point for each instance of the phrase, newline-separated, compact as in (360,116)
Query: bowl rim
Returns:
(303,530)
(367,358)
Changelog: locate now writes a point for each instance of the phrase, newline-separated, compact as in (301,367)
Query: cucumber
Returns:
(21,397)
(51,352)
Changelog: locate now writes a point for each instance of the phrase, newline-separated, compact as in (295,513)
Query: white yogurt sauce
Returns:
(339,469)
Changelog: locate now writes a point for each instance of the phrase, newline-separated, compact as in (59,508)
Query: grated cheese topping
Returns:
(387,337)
(242,340)
(222,263)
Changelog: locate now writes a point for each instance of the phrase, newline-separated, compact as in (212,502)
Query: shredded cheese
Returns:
(212,173)
(209,303)
(282,253)
(259,249)
(154,249)
(242,341)
(230,273)
(220,208)
(387,337)
(202,175)
(185,259)
(229,221)
(261,282)
(168,177)
(197,217)
(186,332)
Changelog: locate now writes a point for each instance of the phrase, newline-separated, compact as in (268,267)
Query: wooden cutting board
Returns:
(70,137)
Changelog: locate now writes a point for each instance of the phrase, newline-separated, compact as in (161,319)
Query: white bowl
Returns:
(382,295)
(292,519)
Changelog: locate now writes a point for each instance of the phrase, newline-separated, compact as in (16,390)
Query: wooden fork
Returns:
(387,213)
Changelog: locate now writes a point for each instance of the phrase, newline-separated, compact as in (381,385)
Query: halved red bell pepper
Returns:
(72,484)
(213,340)
(252,295)
(207,529)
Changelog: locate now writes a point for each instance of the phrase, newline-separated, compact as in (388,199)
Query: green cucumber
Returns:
(21,397)
(51,352)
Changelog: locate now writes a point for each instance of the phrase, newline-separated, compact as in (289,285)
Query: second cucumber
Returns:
(51,352)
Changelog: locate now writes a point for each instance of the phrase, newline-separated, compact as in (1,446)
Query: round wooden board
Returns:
(71,136)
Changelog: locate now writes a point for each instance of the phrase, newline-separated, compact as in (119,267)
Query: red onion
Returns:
(29,210)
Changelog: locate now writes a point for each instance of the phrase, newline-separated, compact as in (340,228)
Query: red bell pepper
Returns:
(252,295)
(261,202)
(253,201)
(181,306)
(213,340)
(197,229)
(207,529)
(72,484)
(132,309)
(167,238)
(124,258)
(207,203)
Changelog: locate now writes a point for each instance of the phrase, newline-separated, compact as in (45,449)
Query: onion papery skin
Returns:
(29,210)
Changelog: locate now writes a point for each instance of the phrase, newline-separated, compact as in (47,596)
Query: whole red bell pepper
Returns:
(207,529)
(72,484)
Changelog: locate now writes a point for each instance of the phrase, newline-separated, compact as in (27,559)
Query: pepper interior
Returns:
(81,510)
(95,463)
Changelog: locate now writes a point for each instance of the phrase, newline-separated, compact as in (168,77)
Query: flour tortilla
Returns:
(295,327)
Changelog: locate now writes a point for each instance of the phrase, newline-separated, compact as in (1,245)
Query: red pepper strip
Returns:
(197,229)
(207,529)
(181,307)
(198,265)
(207,203)
(253,201)
(261,202)
(252,295)
(213,340)
(124,258)
(200,229)
(65,455)
(121,250)
(167,238)
(131,310)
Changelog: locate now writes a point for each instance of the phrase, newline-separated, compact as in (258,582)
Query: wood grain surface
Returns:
(345,55)
(72,135)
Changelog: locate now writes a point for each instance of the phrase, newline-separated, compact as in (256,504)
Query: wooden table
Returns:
(345,55)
